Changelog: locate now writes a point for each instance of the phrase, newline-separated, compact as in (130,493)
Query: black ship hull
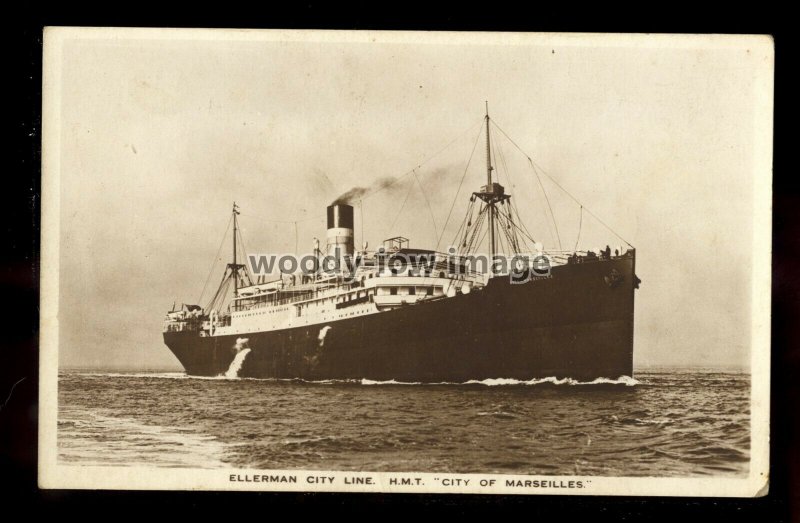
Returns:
(576,323)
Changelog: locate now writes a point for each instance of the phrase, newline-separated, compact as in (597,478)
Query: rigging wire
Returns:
(534,165)
(222,289)
(512,201)
(382,187)
(544,192)
(580,227)
(216,258)
(410,188)
(430,209)
(466,223)
(547,199)
(511,234)
(494,152)
(506,170)
(244,256)
(521,222)
(476,229)
(465,245)
(471,233)
(455,198)
(482,236)
(500,236)
(548,221)
(510,230)
(524,233)
(426,160)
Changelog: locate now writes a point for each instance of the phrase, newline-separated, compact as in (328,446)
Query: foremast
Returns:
(236,267)
(235,272)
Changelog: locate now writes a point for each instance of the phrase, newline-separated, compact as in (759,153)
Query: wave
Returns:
(652,421)
(494,382)
(365,381)
(163,375)
(131,442)
(154,375)
(489,382)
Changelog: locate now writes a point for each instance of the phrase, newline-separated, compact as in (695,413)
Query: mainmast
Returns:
(489,168)
(491,194)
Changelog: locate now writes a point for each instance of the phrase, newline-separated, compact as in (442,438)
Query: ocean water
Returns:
(675,423)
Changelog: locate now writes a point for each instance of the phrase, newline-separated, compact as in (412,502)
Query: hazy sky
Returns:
(159,136)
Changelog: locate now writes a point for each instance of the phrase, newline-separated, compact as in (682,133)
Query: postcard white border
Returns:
(53,475)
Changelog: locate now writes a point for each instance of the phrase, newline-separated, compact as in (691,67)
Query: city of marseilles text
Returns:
(545,483)
(312,479)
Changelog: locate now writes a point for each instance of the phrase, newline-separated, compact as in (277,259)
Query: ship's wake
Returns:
(495,382)
(622,380)
(236,366)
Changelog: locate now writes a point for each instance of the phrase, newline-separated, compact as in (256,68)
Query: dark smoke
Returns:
(355,193)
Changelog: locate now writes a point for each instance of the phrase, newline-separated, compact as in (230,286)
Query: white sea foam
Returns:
(652,421)
(322,333)
(493,382)
(163,375)
(236,364)
(365,381)
(131,442)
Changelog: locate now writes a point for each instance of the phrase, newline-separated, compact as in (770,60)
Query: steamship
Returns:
(436,319)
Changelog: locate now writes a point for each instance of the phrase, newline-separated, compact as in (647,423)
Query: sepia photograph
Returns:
(421,262)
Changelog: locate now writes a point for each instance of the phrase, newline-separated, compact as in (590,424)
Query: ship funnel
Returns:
(340,229)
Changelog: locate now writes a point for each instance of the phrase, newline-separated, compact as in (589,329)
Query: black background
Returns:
(19,270)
